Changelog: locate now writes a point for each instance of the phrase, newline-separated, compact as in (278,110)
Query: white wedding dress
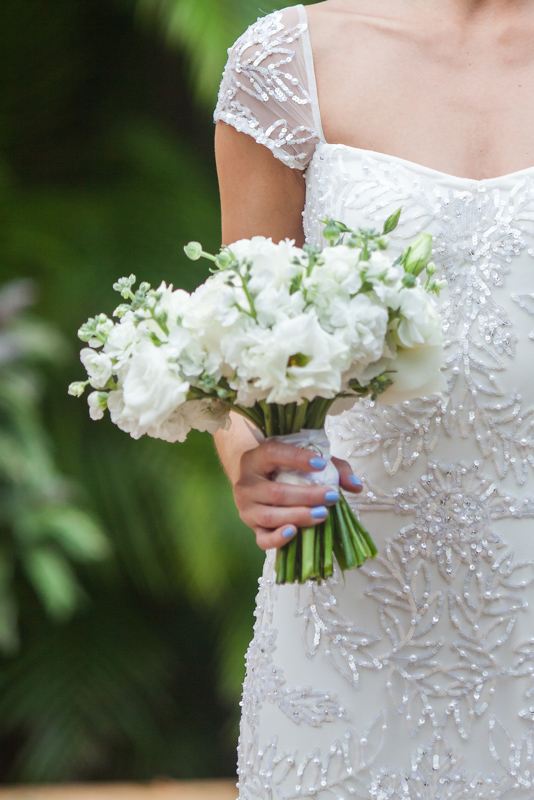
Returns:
(414,676)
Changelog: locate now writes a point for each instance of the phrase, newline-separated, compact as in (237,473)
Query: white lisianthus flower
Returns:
(420,323)
(123,418)
(98,366)
(152,388)
(98,402)
(297,359)
(202,415)
(416,373)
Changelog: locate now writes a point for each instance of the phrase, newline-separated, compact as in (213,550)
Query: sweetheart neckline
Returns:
(422,167)
(376,153)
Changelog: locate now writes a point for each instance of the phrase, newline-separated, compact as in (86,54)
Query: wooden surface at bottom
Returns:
(178,790)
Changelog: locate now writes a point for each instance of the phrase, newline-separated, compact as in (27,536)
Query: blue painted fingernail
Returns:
(317,463)
(319,512)
(355,481)
(288,533)
(331,496)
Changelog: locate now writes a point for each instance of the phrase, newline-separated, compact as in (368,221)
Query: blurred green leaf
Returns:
(53,579)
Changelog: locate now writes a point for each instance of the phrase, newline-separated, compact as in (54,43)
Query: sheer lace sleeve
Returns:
(268,87)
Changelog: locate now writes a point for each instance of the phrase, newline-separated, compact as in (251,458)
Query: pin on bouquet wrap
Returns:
(276,334)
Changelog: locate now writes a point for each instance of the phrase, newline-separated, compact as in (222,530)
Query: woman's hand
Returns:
(273,510)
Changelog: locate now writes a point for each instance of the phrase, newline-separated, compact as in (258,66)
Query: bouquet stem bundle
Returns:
(310,555)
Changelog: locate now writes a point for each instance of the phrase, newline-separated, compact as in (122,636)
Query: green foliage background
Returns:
(126,579)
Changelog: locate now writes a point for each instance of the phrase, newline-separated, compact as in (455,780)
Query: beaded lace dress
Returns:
(414,676)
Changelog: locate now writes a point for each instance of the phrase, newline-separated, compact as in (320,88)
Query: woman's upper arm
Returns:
(260,195)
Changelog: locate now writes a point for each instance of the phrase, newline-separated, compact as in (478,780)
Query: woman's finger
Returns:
(268,539)
(270,456)
(273,517)
(271,493)
(347,479)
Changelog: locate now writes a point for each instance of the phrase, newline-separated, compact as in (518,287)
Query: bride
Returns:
(414,676)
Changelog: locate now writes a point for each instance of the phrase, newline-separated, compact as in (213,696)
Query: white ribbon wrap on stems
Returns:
(318,443)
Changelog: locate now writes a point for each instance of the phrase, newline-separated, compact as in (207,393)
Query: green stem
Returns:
(299,421)
(281,414)
(255,416)
(292,547)
(308,553)
(328,547)
(281,565)
(289,417)
(268,416)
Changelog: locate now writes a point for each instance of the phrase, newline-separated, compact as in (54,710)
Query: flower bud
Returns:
(331,231)
(392,222)
(224,259)
(77,388)
(417,256)
(409,280)
(193,251)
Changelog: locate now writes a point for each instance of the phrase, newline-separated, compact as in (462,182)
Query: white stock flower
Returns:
(213,307)
(120,341)
(98,366)
(174,302)
(271,263)
(273,304)
(98,402)
(362,323)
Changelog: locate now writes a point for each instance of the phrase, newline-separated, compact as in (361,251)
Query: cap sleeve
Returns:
(268,87)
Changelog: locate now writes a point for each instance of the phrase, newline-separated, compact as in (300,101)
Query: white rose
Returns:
(98,366)
(152,387)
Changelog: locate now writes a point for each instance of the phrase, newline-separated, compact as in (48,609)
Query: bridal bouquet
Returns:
(277,333)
